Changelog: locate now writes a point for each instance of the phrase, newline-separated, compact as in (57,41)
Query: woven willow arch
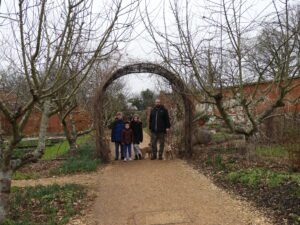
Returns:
(102,147)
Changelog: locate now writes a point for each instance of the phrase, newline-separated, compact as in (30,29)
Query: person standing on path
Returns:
(116,134)
(159,125)
(127,139)
(137,128)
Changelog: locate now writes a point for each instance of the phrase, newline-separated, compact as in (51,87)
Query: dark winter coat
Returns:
(116,130)
(159,119)
(137,128)
(127,136)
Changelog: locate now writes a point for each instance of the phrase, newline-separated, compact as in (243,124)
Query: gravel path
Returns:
(166,192)
(159,192)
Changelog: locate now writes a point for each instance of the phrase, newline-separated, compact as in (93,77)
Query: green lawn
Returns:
(83,160)
(51,152)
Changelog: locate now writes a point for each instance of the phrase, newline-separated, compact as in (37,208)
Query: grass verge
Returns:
(47,205)
(25,176)
(82,160)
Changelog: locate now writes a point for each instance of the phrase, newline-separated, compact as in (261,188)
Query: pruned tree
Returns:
(42,40)
(214,53)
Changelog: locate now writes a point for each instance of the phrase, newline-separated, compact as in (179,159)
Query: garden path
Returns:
(147,192)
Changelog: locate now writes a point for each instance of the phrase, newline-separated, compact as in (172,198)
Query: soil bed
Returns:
(280,203)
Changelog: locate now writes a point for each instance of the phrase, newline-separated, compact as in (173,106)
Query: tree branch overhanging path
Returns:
(178,84)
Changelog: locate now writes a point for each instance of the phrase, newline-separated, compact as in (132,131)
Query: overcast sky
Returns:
(141,48)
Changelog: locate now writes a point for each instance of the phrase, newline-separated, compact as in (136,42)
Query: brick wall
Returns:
(267,92)
(81,117)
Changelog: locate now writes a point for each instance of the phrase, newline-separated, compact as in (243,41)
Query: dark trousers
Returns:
(157,137)
(118,146)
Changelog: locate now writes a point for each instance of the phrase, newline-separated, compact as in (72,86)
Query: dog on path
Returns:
(146,151)
(168,152)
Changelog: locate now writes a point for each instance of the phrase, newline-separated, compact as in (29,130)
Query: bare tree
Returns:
(42,39)
(213,52)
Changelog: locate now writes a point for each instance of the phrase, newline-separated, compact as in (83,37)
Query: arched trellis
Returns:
(102,146)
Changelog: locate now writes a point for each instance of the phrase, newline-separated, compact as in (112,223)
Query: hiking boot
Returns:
(140,156)
(153,157)
(136,157)
(160,158)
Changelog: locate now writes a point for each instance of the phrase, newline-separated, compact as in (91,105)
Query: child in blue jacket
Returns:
(116,134)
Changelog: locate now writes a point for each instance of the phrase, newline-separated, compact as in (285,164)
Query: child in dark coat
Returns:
(137,128)
(127,139)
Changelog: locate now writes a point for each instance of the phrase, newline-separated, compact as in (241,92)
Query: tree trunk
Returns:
(102,149)
(5,183)
(73,126)
(43,128)
(72,144)
(70,138)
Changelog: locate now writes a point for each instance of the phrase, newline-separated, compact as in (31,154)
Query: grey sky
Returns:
(141,48)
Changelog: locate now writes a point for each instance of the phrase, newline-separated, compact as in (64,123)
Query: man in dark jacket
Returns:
(159,124)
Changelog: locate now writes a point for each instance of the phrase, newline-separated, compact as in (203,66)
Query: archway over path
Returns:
(102,146)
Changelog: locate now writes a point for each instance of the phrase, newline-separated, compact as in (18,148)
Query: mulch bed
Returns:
(279,203)
(41,167)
